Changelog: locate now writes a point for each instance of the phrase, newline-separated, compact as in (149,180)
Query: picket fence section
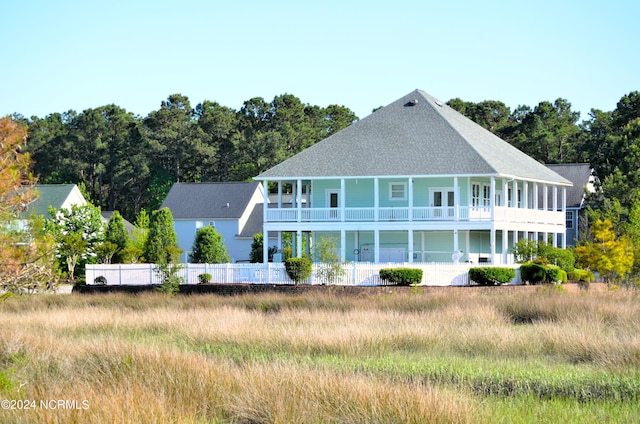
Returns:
(349,274)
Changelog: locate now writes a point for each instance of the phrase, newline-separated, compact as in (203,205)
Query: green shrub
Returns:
(204,278)
(402,276)
(533,273)
(555,274)
(298,269)
(583,275)
(491,276)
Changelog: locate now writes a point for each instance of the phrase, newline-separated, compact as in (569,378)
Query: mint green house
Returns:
(415,181)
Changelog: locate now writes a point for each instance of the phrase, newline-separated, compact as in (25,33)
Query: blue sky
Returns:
(78,54)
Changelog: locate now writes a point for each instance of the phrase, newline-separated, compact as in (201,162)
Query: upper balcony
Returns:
(418,214)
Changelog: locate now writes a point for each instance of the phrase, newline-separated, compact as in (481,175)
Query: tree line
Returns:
(128,163)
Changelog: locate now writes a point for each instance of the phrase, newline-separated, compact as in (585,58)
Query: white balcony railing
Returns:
(448,213)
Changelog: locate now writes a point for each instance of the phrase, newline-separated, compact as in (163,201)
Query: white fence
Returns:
(350,274)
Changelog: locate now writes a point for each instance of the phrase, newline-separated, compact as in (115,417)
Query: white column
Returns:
(492,198)
(376,245)
(555,209)
(376,201)
(410,188)
(514,194)
(265,234)
(564,214)
(343,196)
(410,245)
(493,244)
(299,199)
(505,244)
(298,244)
(343,245)
(279,194)
(456,199)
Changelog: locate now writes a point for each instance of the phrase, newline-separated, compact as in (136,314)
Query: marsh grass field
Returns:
(416,357)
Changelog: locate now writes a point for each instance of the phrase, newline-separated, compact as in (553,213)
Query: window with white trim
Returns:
(475,194)
(397,191)
(569,220)
(480,194)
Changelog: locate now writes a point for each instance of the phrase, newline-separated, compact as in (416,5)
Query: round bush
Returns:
(401,276)
(298,269)
(533,273)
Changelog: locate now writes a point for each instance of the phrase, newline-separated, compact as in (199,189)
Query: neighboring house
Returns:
(106,216)
(416,181)
(234,209)
(581,175)
(59,196)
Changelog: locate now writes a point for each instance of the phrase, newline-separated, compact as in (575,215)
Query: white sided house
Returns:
(416,181)
(59,196)
(234,209)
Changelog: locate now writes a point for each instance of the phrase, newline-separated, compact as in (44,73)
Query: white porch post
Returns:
(492,200)
(343,245)
(376,245)
(456,199)
(564,215)
(545,206)
(410,200)
(279,194)
(514,194)
(343,196)
(298,244)
(468,244)
(555,209)
(299,199)
(505,244)
(376,201)
(410,245)
(265,234)
(493,244)
(525,197)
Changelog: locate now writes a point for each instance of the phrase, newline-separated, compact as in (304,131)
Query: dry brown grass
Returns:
(267,359)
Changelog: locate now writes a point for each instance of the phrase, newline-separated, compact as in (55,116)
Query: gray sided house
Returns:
(234,209)
(581,175)
(416,181)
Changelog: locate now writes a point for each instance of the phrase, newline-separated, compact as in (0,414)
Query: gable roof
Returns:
(209,200)
(415,135)
(580,174)
(55,195)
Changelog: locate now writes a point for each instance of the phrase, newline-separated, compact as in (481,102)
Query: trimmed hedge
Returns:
(491,276)
(298,269)
(535,273)
(401,276)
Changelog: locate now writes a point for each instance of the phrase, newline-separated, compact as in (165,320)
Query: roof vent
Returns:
(439,103)
(411,103)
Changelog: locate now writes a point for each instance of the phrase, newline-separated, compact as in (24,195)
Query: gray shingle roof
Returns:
(426,138)
(580,175)
(49,195)
(209,200)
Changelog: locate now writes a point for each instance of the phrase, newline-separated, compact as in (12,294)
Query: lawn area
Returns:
(414,357)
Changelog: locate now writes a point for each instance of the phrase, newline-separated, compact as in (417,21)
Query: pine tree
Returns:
(161,246)
(118,235)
